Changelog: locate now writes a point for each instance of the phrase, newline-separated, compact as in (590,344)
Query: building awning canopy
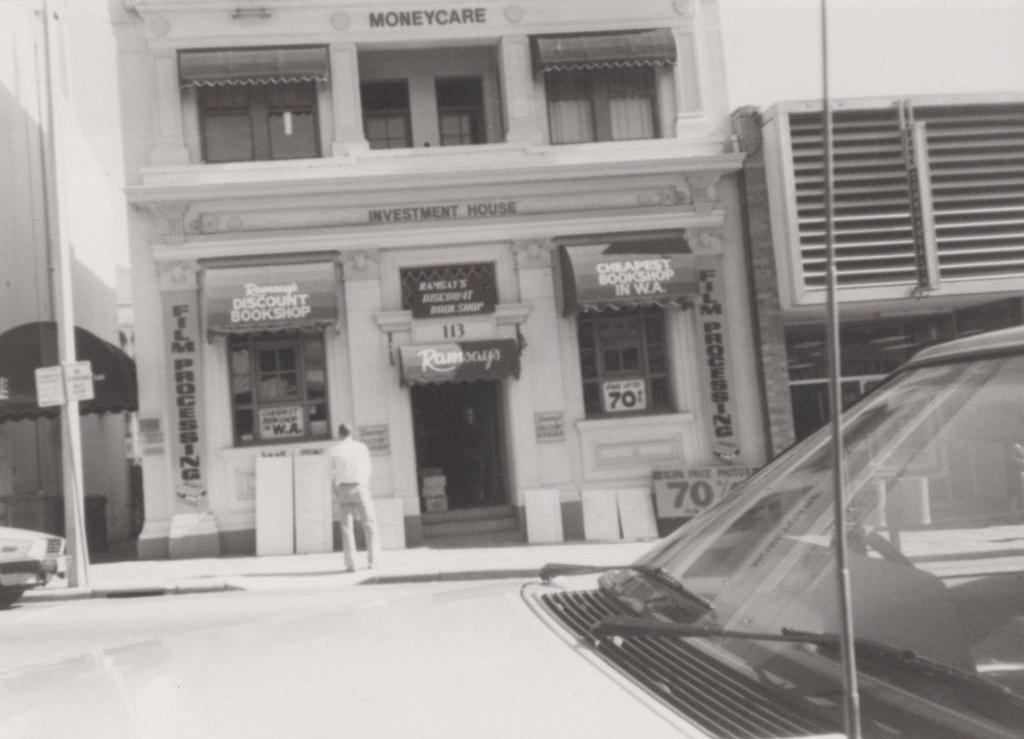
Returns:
(227,67)
(463,361)
(585,51)
(628,273)
(270,297)
(32,345)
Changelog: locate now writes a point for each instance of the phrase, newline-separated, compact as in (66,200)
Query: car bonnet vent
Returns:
(724,703)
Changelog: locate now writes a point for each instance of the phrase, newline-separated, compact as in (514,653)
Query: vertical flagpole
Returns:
(851,699)
(60,249)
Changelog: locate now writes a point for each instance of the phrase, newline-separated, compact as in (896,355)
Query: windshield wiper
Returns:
(869,649)
(664,577)
(661,575)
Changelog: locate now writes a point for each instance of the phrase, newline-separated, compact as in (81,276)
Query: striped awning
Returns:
(603,50)
(628,273)
(228,67)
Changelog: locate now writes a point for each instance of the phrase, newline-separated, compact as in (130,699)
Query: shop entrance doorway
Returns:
(457,428)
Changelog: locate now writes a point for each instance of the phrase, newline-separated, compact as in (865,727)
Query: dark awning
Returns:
(270,297)
(626,274)
(463,361)
(603,50)
(32,345)
(252,66)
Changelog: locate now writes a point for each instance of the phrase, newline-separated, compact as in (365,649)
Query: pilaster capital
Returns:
(533,253)
(705,240)
(178,274)
(363,264)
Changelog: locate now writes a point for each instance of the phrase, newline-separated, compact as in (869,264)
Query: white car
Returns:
(28,559)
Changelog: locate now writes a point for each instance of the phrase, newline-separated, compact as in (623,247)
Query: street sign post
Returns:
(50,386)
(78,380)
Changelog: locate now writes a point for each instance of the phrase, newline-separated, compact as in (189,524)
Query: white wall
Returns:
(876,48)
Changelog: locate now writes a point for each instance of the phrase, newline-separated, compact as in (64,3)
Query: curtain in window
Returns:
(631,104)
(569,109)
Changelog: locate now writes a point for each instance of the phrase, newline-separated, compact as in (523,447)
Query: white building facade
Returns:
(502,242)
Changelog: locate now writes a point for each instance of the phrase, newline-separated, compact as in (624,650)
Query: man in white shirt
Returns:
(350,479)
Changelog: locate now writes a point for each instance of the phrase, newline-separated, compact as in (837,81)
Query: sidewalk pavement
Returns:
(299,571)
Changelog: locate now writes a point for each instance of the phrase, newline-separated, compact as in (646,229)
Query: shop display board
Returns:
(390,522)
(275,523)
(543,516)
(636,514)
(313,509)
(600,515)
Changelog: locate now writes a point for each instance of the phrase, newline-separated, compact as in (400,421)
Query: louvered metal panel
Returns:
(724,702)
(872,224)
(976,156)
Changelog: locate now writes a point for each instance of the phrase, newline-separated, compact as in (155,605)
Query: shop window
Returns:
(386,118)
(460,110)
(278,389)
(601,105)
(624,362)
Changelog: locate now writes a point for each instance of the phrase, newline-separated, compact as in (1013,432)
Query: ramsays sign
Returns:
(460,362)
(453,292)
(256,297)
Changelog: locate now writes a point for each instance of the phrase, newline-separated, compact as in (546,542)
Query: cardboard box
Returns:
(433,491)
(435,504)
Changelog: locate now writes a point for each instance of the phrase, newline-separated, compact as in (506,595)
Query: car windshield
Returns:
(934,479)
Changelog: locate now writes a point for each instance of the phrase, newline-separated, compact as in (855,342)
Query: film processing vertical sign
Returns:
(716,358)
(184,380)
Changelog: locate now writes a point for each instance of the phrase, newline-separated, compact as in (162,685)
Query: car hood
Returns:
(467,662)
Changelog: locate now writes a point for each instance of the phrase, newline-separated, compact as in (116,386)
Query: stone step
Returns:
(466,514)
(470,526)
(491,539)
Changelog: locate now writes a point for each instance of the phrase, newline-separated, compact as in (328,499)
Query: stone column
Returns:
(177,479)
(518,88)
(169,148)
(349,137)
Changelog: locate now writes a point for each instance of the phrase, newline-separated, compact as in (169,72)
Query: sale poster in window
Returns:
(620,396)
(282,422)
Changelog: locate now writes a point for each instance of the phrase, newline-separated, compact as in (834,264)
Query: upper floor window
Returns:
(603,86)
(460,110)
(386,119)
(256,104)
(431,96)
(605,105)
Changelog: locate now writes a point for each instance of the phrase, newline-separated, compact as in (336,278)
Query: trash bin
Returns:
(96,523)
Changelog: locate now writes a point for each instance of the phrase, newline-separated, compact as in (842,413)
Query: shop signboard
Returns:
(181,325)
(686,492)
(549,427)
(259,297)
(377,439)
(716,361)
(282,422)
(622,396)
(459,361)
(454,292)
(591,277)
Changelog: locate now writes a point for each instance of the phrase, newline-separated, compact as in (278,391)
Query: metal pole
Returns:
(851,698)
(60,248)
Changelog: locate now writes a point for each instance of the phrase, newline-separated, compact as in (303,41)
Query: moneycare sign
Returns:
(460,362)
(270,296)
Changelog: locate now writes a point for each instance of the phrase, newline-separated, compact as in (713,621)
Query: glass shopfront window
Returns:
(278,388)
(624,362)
